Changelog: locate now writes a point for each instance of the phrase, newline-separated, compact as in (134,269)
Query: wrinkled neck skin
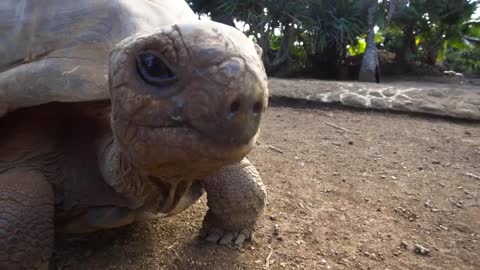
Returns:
(121,175)
(142,191)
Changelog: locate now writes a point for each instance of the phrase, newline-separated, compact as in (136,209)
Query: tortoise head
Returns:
(186,99)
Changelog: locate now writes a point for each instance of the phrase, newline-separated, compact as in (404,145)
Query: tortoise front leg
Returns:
(236,198)
(26,220)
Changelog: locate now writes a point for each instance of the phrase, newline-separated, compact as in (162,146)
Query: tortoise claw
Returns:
(218,236)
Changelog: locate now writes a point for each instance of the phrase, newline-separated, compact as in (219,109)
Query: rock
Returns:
(378,103)
(433,108)
(458,204)
(449,73)
(362,92)
(421,250)
(444,100)
(403,98)
(401,106)
(375,94)
(354,100)
(276,230)
(389,92)
(435,93)
(465,113)
(334,97)
(404,245)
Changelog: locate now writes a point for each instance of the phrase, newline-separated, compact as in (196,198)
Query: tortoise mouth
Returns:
(212,149)
(177,146)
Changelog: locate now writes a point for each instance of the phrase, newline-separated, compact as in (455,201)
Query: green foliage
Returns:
(359,48)
(328,30)
(462,56)
(361,44)
(333,23)
(465,61)
(433,23)
(393,39)
(472,28)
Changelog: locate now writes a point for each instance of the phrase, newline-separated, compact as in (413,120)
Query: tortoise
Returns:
(120,111)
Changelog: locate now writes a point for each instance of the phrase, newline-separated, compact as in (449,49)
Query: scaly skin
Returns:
(26,220)
(236,198)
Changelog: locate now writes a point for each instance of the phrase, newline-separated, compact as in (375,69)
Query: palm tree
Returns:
(329,26)
(263,17)
(447,18)
(370,69)
(394,6)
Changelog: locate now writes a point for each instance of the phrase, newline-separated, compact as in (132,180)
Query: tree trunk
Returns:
(369,71)
(281,56)
(394,7)
(433,46)
(264,31)
(409,46)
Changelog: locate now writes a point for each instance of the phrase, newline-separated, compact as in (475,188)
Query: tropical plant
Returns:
(427,24)
(319,34)
(462,53)
(370,70)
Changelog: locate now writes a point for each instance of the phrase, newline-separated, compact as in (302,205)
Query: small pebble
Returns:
(276,230)
(421,250)
(443,227)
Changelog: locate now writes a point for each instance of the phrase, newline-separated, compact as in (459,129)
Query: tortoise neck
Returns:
(122,176)
(142,192)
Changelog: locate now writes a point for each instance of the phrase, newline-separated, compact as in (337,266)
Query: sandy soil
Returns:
(358,194)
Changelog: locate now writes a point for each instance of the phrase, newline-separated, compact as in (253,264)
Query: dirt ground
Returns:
(347,190)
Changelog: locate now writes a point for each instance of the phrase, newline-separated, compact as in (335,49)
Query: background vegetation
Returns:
(356,39)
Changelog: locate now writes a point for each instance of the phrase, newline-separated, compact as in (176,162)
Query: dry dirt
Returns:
(359,198)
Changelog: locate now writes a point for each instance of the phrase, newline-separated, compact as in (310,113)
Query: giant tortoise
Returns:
(116,111)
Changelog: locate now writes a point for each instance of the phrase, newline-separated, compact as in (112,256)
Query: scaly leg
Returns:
(236,198)
(26,220)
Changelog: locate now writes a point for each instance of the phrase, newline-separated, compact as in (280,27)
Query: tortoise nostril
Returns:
(257,108)
(234,107)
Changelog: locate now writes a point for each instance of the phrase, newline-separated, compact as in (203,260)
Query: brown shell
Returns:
(57,50)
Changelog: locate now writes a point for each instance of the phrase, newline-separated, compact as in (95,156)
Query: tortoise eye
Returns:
(153,70)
